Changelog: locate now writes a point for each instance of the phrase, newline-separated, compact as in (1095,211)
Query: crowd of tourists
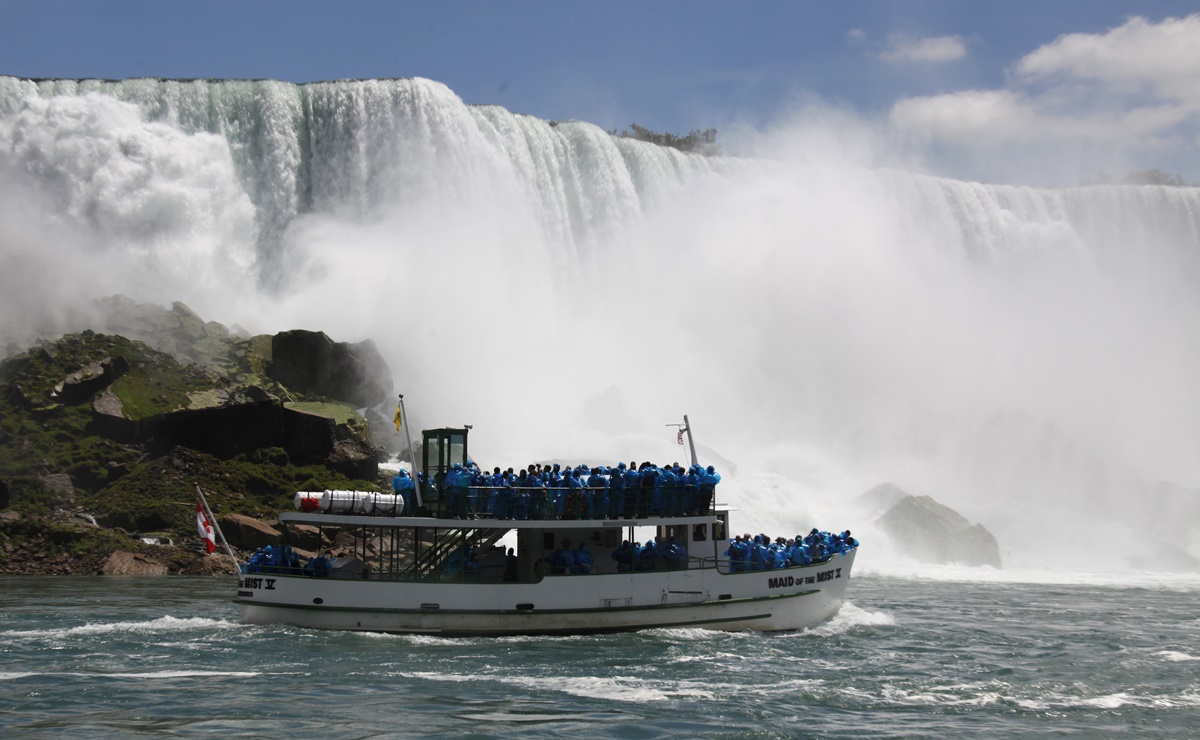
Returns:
(548,492)
(759,552)
(283,560)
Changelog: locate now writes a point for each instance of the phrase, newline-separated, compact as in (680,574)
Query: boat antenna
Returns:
(686,428)
(412,459)
(237,568)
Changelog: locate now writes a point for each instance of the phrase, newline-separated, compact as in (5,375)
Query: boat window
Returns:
(433,454)
(458,448)
(700,533)
(719,527)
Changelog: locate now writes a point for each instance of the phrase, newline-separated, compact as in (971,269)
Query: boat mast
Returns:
(687,427)
(411,457)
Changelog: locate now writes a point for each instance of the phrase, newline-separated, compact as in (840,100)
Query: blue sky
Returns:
(952,76)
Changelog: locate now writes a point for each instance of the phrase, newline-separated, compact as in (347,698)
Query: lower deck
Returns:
(782,599)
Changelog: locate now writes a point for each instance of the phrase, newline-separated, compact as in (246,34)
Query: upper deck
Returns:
(321,519)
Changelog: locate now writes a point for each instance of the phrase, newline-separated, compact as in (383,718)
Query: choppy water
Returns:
(905,657)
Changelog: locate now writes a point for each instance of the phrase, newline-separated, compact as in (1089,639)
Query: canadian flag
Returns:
(206,530)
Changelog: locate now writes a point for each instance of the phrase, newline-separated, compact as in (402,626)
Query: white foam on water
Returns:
(148,675)
(849,618)
(625,689)
(1176,656)
(154,626)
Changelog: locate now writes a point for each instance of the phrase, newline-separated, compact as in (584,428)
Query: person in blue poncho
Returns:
(801,554)
(648,558)
(738,554)
(403,485)
(755,553)
(616,492)
(476,480)
(318,566)
(598,499)
(624,557)
(562,560)
(647,474)
(691,491)
(456,494)
(576,503)
(666,488)
(633,481)
(583,560)
(708,488)
(675,554)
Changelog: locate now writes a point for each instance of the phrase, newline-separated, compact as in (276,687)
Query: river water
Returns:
(906,656)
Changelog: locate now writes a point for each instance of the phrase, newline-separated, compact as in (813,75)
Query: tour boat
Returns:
(432,574)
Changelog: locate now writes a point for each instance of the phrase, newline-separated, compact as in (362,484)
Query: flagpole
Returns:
(411,458)
(686,428)
(213,520)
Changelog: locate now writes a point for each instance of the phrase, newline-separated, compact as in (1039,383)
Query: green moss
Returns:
(160,494)
(156,389)
(339,412)
(57,537)
(29,496)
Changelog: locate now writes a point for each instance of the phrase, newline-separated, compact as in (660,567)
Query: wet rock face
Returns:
(122,563)
(247,533)
(934,533)
(58,485)
(91,379)
(311,362)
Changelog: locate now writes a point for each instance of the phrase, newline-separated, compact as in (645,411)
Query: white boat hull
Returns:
(774,600)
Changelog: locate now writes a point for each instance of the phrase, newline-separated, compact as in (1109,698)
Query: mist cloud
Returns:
(827,319)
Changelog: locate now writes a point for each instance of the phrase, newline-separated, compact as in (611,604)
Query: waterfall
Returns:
(1027,355)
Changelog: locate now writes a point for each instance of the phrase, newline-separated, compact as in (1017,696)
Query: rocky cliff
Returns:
(104,436)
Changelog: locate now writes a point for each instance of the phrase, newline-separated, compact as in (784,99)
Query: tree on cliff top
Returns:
(697,141)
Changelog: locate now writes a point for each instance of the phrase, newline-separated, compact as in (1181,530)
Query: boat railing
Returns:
(731,566)
(547,504)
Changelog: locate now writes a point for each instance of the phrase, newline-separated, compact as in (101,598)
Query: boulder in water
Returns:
(934,533)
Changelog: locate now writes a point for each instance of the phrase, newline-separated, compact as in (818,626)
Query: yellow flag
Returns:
(397,420)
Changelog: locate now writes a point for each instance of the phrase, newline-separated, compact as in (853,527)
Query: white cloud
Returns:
(1140,56)
(855,35)
(991,116)
(966,115)
(930,50)
(1133,91)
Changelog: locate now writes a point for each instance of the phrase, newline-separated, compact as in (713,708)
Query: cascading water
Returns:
(1025,355)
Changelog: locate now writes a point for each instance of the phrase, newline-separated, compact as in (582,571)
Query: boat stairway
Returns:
(430,559)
